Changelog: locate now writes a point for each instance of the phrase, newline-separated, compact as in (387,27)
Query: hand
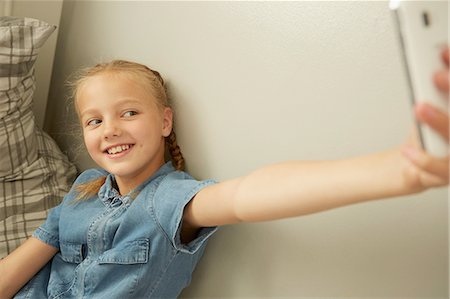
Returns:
(427,171)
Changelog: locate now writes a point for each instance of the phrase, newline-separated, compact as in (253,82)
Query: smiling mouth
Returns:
(118,149)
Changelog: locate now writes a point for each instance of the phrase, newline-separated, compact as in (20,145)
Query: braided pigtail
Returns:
(171,141)
(175,152)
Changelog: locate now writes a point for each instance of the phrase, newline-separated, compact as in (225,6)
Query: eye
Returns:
(93,122)
(129,113)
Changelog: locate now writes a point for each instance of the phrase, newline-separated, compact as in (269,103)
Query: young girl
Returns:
(137,228)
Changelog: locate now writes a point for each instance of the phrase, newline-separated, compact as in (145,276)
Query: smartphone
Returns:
(422,28)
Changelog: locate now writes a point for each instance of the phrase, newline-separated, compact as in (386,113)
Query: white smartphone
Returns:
(423,33)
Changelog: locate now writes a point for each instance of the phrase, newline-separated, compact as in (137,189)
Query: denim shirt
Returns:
(113,246)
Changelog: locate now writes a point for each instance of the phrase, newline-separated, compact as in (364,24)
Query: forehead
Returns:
(108,82)
(110,88)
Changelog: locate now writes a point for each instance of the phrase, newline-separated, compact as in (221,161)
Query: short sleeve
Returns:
(171,197)
(49,231)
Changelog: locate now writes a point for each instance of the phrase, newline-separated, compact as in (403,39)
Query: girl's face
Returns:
(123,128)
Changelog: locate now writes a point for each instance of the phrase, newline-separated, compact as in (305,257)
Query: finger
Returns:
(444,55)
(436,119)
(436,169)
(441,80)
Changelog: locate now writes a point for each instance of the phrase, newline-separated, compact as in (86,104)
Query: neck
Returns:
(126,184)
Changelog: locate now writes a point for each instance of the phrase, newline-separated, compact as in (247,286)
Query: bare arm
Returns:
(22,264)
(298,188)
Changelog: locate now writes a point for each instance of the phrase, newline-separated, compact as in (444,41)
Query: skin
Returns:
(272,192)
(115,110)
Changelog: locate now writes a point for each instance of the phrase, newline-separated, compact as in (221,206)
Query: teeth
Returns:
(117,149)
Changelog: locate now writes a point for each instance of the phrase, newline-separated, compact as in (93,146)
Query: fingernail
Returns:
(430,112)
(440,79)
(425,110)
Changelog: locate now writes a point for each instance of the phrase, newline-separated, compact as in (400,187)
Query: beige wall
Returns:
(260,82)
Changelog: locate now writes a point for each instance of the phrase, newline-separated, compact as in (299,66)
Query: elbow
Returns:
(243,206)
(237,213)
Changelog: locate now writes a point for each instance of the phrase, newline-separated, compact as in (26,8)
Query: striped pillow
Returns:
(20,41)
(34,174)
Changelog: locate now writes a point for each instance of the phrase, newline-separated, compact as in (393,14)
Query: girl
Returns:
(138,227)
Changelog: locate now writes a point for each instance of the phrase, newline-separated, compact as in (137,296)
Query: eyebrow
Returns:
(123,102)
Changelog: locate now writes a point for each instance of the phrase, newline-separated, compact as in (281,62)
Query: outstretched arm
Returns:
(299,188)
(22,264)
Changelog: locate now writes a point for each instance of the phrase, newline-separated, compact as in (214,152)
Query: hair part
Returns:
(150,80)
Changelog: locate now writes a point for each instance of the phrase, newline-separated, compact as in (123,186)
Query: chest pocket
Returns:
(134,252)
(71,252)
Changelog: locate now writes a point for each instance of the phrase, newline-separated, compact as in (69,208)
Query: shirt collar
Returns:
(108,191)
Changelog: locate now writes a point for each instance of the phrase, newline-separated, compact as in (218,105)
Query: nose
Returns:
(111,130)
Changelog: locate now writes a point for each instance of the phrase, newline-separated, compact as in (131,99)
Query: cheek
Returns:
(90,142)
(146,131)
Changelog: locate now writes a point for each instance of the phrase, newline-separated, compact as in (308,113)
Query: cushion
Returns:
(20,41)
(34,174)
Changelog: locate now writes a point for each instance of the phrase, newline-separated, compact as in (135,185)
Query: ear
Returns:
(167,122)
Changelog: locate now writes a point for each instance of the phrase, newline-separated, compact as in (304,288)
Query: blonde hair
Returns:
(150,80)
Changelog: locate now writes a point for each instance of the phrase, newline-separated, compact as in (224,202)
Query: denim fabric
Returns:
(113,246)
